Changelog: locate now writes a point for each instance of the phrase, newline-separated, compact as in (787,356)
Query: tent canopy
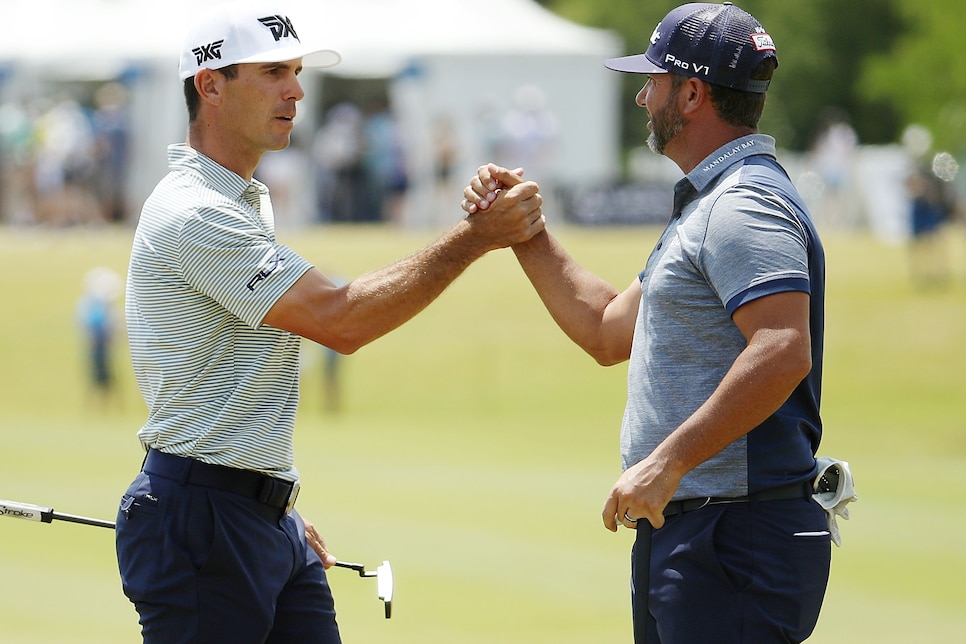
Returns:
(375,37)
(396,30)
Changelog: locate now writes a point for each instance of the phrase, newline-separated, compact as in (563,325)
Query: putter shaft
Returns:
(30,512)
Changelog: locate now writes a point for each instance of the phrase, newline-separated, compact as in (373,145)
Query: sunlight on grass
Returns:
(476,445)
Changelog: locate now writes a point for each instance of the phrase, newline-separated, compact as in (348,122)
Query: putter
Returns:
(29,512)
(384,581)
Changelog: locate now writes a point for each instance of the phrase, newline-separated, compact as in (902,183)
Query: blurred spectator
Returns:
(931,205)
(111,140)
(332,369)
(99,321)
(64,166)
(337,151)
(832,158)
(529,139)
(529,132)
(384,165)
(16,140)
(286,172)
(444,165)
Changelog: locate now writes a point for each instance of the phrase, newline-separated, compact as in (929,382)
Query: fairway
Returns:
(475,446)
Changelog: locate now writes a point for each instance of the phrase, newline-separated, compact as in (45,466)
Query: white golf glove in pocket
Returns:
(834,490)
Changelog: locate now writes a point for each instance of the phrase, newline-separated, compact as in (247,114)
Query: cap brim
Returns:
(310,57)
(636,64)
(321,58)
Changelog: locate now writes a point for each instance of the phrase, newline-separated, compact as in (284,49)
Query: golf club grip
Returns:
(642,581)
(25,511)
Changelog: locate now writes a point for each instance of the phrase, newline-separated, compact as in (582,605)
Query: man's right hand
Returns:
(512,216)
(484,188)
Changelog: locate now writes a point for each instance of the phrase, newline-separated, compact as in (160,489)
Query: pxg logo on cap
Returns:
(247,32)
(280,26)
(211,51)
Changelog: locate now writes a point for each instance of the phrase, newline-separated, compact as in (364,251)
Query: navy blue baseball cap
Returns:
(717,43)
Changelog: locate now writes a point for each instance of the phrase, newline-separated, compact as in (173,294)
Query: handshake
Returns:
(503,206)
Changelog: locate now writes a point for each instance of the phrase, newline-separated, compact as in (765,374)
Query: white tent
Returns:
(456,60)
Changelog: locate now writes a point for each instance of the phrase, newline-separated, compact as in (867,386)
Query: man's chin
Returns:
(280,144)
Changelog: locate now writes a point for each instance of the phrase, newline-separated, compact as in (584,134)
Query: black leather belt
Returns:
(269,490)
(795,491)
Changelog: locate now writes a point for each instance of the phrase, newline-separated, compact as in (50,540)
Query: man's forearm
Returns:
(577,299)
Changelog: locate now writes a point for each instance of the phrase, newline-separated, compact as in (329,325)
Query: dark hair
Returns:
(191,98)
(743,108)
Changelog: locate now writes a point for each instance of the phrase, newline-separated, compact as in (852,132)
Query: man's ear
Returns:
(694,94)
(209,85)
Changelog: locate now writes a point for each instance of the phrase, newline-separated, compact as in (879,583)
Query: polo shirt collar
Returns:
(185,157)
(714,165)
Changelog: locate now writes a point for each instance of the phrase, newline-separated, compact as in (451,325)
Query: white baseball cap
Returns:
(247,32)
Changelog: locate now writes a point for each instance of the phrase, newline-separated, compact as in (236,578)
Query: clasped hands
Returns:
(507,200)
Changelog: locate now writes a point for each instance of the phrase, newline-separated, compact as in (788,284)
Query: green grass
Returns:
(475,448)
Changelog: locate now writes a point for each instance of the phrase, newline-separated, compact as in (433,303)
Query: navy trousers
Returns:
(204,565)
(738,573)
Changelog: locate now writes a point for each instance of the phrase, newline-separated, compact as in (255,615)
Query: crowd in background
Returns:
(64,158)
(359,159)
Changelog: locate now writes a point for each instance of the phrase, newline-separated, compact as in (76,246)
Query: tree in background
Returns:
(823,46)
(864,58)
(924,74)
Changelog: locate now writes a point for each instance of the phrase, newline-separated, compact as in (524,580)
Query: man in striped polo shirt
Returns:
(209,547)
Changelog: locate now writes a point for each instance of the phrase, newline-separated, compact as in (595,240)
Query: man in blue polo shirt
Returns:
(723,329)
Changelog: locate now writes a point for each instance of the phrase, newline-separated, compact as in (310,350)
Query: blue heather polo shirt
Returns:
(739,231)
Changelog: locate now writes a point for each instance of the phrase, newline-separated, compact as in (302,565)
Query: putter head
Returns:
(384,584)
(384,581)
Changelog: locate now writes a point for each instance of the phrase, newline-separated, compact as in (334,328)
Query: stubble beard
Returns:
(666,124)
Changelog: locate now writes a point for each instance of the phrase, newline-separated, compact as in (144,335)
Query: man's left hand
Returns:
(640,494)
(314,539)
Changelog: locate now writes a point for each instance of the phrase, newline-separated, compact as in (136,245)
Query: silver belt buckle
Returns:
(293,495)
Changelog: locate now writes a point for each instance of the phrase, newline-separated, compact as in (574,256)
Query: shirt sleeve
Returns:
(233,261)
(755,246)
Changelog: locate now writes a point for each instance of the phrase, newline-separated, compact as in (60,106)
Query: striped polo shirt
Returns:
(205,269)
